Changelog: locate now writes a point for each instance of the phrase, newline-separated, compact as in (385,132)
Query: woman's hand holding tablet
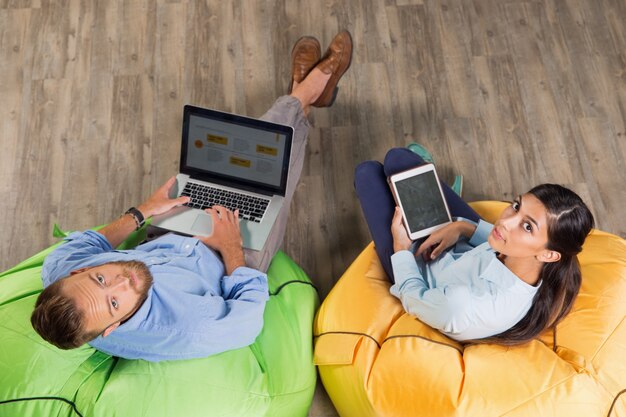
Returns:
(420,198)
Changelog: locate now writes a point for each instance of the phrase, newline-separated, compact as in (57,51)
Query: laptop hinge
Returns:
(237,185)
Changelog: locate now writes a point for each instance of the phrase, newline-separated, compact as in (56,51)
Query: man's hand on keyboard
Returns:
(160,202)
(225,237)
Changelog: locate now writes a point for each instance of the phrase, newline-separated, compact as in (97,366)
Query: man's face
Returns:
(108,294)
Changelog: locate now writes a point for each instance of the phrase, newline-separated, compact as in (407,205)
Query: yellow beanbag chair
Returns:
(376,360)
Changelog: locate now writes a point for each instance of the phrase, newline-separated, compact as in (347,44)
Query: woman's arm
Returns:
(436,243)
(443,238)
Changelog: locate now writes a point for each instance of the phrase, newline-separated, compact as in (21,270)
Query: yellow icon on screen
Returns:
(240,162)
(267,150)
(218,140)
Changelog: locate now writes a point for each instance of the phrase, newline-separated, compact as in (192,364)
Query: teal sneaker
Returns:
(423,153)
(457,186)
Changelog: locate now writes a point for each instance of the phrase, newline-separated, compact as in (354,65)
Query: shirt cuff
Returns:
(481,233)
(404,267)
(463,219)
(244,275)
(92,237)
(243,280)
(244,271)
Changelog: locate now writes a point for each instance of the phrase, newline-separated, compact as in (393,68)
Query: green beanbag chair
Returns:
(275,376)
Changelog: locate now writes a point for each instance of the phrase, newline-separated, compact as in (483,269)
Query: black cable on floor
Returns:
(44,399)
(294,281)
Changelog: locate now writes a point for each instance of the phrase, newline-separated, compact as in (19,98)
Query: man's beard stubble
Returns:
(143,276)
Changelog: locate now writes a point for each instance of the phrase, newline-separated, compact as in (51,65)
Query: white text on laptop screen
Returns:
(236,151)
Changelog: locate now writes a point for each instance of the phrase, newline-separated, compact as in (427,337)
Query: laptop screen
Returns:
(235,150)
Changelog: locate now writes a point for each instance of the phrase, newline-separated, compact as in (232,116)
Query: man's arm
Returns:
(225,237)
(159,202)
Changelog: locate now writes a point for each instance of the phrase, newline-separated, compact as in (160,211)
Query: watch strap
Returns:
(137,216)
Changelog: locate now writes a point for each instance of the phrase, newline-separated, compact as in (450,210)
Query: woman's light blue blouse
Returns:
(466,293)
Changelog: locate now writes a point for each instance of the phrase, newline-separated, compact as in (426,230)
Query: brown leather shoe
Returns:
(336,61)
(305,54)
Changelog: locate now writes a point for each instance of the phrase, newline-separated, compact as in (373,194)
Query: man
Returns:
(174,297)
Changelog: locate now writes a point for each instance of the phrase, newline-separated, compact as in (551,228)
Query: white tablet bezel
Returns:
(408,174)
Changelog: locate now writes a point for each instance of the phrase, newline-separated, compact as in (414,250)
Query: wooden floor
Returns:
(508,93)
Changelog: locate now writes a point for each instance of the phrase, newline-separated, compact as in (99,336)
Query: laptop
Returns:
(232,161)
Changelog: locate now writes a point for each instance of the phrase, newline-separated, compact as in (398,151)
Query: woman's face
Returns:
(522,230)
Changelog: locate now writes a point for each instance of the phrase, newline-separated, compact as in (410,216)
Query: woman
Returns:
(472,280)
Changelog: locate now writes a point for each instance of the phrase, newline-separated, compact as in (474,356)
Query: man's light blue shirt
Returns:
(466,293)
(193,310)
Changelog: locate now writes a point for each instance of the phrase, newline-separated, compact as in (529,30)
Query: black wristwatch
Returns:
(139,219)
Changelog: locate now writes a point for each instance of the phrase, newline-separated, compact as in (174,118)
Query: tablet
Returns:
(418,193)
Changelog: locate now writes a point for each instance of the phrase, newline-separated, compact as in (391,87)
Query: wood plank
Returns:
(169,91)
(547,139)
(50,28)
(489,28)
(14,58)
(133,48)
(506,133)
(97,112)
(128,145)
(609,170)
(42,162)
(415,95)
(20,4)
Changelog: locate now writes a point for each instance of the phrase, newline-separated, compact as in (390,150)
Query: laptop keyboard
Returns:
(203,197)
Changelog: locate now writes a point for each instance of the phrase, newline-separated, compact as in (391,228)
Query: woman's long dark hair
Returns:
(569,223)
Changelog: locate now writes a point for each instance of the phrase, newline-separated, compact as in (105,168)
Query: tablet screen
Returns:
(422,201)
